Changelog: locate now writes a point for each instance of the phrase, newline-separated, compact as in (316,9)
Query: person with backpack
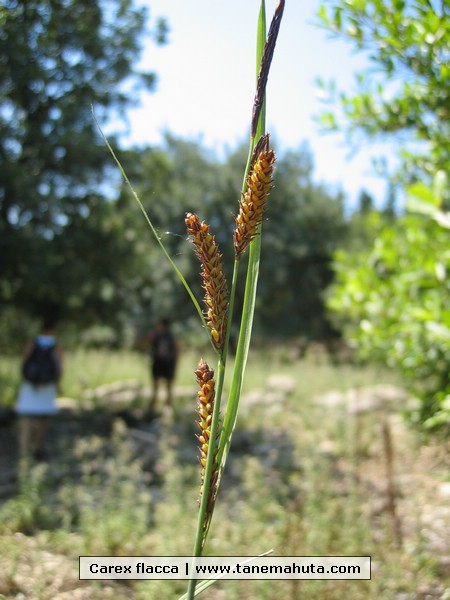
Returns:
(164,356)
(36,401)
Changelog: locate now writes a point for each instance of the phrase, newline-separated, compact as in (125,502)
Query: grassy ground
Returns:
(306,476)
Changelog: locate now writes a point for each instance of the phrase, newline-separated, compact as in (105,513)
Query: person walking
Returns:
(164,357)
(36,401)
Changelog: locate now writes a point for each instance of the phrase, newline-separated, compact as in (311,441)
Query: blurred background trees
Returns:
(59,59)
(72,241)
(305,224)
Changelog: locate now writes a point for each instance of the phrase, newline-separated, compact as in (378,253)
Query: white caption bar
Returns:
(225,567)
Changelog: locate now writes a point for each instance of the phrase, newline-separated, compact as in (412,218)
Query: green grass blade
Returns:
(152,228)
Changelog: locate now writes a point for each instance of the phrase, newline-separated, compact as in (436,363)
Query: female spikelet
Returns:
(206,397)
(253,201)
(214,282)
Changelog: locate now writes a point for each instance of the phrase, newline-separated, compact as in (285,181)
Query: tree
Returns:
(394,302)
(407,92)
(390,207)
(60,58)
(365,203)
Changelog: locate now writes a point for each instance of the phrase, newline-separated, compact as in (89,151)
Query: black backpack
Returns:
(41,366)
(164,347)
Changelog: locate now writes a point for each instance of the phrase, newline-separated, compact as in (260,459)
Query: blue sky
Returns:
(206,79)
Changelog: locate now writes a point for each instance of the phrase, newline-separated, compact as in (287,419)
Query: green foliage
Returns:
(111,487)
(15,328)
(407,43)
(59,60)
(26,512)
(394,303)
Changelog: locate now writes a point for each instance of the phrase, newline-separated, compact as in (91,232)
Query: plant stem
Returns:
(247,321)
(217,458)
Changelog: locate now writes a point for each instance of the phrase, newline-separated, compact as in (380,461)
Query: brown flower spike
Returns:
(214,282)
(206,396)
(253,202)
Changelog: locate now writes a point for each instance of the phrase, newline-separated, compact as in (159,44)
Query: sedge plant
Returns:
(218,313)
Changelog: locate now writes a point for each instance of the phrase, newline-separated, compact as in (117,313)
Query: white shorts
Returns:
(37,400)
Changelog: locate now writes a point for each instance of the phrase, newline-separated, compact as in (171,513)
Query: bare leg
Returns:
(41,433)
(25,430)
(169,393)
(154,397)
